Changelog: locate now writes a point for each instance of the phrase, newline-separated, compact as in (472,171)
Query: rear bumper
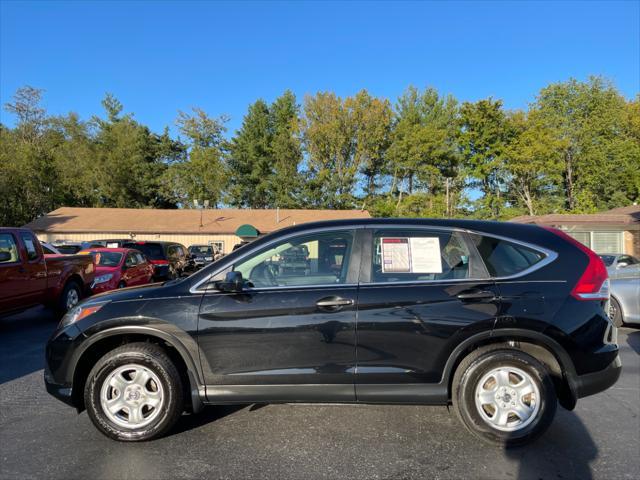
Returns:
(596,382)
(161,272)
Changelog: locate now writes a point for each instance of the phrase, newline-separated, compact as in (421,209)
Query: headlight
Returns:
(103,278)
(81,311)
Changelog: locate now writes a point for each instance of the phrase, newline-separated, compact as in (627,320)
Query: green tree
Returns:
(423,155)
(286,151)
(598,151)
(343,138)
(531,156)
(30,183)
(250,160)
(199,174)
(130,160)
(482,137)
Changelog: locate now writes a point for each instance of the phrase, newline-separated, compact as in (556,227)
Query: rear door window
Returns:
(420,255)
(503,258)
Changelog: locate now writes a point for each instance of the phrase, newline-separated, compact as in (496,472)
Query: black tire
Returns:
(153,358)
(71,288)
(471,371)
(615,311)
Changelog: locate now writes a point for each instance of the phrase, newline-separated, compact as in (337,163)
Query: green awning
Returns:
(248,231)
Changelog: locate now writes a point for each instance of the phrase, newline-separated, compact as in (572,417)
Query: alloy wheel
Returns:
(507,398)
(132,396)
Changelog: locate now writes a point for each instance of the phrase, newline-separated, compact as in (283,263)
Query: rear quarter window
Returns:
(503,258)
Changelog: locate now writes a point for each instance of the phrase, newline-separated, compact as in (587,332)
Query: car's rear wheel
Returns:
(615,312)
(134,393)
(504,396)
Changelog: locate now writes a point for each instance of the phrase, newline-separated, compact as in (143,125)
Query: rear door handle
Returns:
(481,295)
(332,302)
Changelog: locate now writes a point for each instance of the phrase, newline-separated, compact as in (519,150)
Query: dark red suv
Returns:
(169,259)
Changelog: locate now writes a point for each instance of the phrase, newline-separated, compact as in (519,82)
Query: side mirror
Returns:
(622,264)
(233,282)
(5,256)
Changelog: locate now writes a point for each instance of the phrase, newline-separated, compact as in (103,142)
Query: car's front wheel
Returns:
(134,393)
(504,396)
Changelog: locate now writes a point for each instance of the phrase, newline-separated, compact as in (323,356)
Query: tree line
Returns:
(576,148)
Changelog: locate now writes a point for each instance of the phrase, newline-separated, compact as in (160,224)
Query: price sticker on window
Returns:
(411,255)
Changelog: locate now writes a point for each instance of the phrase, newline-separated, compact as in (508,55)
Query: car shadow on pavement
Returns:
(566,450)
(207,415)
(633,339)
(23,338)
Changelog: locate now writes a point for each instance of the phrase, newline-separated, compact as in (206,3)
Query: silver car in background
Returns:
(624,307)
(619,261)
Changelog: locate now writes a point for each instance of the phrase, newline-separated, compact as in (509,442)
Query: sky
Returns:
(160,57)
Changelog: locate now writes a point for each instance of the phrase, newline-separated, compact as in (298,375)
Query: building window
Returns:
(599,241)
(606,242)
(583,237)
(218,245)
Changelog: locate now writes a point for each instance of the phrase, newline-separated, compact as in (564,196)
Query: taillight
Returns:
(159,262)
(593,284)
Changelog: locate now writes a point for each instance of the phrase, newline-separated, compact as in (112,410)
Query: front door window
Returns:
(317,259)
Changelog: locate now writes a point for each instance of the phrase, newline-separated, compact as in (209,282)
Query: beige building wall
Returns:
(632,242)
(185,239)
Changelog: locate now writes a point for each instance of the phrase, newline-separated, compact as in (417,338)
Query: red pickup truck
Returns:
(28,277)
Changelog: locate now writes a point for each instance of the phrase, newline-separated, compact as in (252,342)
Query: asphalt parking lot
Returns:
(42,438)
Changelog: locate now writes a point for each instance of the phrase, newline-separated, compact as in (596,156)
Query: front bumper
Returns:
(596,382)
(61,392)
(59,370)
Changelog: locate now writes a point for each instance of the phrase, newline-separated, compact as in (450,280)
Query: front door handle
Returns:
(481,295)
(334,302)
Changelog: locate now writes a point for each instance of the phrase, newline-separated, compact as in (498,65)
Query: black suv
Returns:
(169,259)
(503,321)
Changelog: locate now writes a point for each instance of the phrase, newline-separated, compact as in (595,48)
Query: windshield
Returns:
(107,259)
(68,249)
(608,259)
(153,251)
(200,250)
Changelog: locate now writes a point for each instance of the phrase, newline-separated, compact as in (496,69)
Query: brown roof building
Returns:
(613,231)
(224,227)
